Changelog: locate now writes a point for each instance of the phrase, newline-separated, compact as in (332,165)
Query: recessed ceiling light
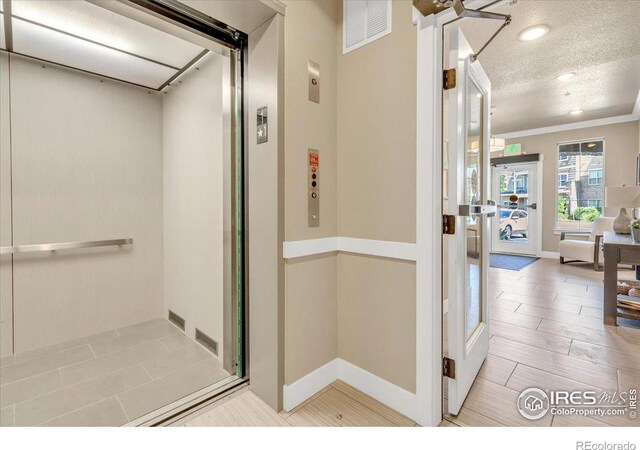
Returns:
(535,32)
(575,112)
(565,76)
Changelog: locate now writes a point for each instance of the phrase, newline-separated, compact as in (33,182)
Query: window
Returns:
(522,183)
(562,180)
(580,184)
(595,177)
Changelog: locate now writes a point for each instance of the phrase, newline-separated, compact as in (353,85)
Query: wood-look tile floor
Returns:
(338,405)
(547,332)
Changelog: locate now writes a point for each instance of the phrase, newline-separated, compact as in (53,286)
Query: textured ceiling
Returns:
(599,40)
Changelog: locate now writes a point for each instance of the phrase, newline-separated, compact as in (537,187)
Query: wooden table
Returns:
(618,249)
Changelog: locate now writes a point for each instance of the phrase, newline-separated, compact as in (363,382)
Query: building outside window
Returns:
(562,180)
(595,177)
(580,189)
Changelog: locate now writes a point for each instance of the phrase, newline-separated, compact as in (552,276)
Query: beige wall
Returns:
(192,114)
(311,314)
(621,149)
(377,134)
(310,35)
(376,317)
(311,283)
(359,308)
(377,199)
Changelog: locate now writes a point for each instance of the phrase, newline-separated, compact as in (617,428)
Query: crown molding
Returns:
(635,115)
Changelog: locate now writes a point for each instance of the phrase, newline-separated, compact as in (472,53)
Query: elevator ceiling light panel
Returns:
(81,35)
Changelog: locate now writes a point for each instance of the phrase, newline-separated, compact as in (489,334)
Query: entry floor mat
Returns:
(511,262)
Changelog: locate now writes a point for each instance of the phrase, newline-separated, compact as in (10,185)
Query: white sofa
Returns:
(586,250)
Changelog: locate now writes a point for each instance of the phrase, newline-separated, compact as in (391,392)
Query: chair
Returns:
(586,250)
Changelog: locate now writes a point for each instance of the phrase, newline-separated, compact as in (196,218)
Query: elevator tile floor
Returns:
(107,379)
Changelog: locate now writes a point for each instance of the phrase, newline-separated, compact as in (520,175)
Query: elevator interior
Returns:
(121,225)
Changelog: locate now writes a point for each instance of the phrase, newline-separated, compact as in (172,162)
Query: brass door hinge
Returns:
(448,224)
(449,368)
(449,79)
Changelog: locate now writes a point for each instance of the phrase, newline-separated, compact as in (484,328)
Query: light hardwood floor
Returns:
(546,331)
(338,405)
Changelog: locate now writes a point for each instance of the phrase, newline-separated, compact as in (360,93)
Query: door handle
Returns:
(489,209)
(533,206)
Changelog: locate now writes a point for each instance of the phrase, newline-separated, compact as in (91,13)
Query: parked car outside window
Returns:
(513,222)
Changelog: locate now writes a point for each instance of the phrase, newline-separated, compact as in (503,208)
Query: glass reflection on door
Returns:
(473,195)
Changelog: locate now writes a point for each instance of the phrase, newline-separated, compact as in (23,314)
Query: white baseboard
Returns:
(550,255)
(385,392)
(310,384)
(382,390)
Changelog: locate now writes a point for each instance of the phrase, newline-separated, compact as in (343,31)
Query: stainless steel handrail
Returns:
(62,246)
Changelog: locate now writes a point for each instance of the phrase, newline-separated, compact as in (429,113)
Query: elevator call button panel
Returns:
(314,81)
(313,187)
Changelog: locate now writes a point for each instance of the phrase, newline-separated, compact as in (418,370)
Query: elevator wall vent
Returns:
(176,320)
(207,342)
(364,22)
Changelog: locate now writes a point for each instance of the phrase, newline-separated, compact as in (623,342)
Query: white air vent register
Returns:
(364,22)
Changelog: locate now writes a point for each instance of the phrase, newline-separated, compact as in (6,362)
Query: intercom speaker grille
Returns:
(365,21)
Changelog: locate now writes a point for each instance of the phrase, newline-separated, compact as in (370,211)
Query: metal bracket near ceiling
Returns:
(428,7)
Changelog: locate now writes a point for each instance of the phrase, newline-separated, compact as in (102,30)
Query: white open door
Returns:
(468,249)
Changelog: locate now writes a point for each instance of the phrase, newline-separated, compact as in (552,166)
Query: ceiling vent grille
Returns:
(364,22)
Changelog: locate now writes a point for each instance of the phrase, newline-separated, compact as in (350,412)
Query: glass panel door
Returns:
(515,228)
(467,135)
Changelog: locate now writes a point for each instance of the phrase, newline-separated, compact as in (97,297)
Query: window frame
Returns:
(597,179)
(566,180)
(557,228)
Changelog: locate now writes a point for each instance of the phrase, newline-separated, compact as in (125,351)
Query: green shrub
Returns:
(562,208)
(586,213)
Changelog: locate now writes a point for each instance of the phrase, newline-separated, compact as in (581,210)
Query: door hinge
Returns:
(449,79)
(449,368)
(448,224)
